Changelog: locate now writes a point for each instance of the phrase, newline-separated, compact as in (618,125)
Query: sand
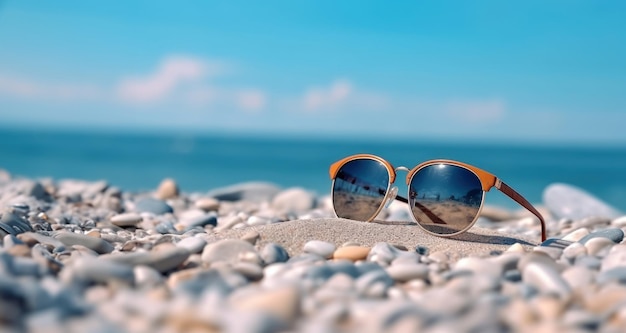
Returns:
(292,235)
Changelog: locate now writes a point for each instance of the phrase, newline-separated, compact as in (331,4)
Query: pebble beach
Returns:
(86,256)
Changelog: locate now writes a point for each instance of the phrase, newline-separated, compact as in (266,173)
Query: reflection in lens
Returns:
(445,199)
(359,189)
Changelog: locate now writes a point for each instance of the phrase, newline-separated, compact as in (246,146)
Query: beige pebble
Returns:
(605,299)
(596,244)
(184,275)
(576,235)
(164,246)
(283,302)
(168,189)
(519,313)
(548,308)
(93,233)
(353,253)
(208,204)
(20,250)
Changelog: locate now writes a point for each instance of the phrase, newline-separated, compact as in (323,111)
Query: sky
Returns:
(498,71)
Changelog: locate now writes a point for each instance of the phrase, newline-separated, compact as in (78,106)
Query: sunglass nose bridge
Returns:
(402,168)
(391,196)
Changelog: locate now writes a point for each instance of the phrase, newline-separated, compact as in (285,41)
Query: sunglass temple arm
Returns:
(511,193)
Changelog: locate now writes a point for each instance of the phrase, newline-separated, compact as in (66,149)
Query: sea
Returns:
(138,161)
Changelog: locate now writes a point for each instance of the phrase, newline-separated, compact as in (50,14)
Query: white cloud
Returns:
(323,98)
(177,80)
(339,95)
(476,111)
(171,73)
(32,89)
(251,100)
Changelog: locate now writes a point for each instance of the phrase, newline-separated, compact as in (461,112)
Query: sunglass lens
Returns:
(445,199)
(359,189)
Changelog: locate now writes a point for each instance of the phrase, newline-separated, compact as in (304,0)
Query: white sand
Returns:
(293,235)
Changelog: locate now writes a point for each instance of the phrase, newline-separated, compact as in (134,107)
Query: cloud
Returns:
(172,73)
(322,98)
(476,111)
(183,81)
(32,89)
(339,95)
(251,100)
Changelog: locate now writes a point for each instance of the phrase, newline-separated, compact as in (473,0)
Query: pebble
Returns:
(567,201)
(249,191)
(405,272)
(596,245)
(168,189)
(320,248)
(97,244)
(208,204)
(228,250)
(114,267)
(126,219)
(546,278)
(615,258)
(293,200)
(192,244)
(274,253)
(88,270)
(614,234)
(162,261)
(352,253)
(13,224)
(152,205)
(576,235)
(197,218)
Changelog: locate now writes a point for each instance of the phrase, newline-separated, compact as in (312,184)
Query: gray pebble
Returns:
(152,205)
(200,220)
(374,284)
(98,271)
(617,274)
(274,253)
(13,224)
(293,200)
(162,260)
(546,278)
(588,261)
(193,244)
(97,244)
(614,234)
(228,250)
(321,248)
(566,201)
(250,191)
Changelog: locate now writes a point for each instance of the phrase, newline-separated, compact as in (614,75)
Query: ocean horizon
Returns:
(138,161)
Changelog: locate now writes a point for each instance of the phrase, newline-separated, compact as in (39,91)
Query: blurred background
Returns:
(213,93)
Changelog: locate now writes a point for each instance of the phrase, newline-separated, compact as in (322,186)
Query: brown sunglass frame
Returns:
(487,180)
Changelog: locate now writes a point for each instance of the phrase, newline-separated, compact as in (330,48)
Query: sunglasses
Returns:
(445,196)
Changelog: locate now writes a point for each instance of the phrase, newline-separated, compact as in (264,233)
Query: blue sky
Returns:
(529,71)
